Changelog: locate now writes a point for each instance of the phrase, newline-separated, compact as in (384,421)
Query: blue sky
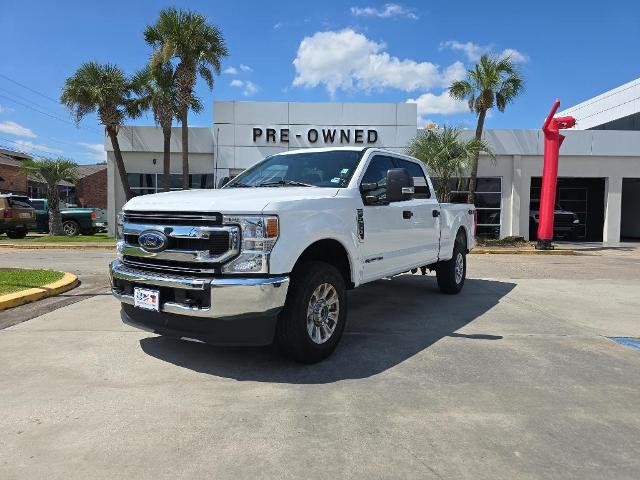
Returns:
(361,51)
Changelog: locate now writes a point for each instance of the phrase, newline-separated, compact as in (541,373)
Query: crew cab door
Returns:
(385,249)
(424,237)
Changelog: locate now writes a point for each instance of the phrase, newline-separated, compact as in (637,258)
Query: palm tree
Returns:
(492,82)
(446,155)
(51,171)
(197,46)
(106,89)
(155,89)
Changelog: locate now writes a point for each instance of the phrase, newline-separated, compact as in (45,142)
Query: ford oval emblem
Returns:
(153,241)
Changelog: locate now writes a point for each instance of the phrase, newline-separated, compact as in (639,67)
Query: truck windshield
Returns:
(305,169)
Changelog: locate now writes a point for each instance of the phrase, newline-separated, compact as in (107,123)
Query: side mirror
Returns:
(399,185)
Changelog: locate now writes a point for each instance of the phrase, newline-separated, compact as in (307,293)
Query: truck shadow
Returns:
(389,322)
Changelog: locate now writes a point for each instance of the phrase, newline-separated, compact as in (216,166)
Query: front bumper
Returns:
(228,311)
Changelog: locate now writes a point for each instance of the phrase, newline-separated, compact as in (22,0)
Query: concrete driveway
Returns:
(513,378)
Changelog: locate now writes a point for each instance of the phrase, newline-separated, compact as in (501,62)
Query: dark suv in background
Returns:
(565,223)
(17,216)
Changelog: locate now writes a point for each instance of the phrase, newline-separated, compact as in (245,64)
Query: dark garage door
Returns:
(630,218)
(582,196)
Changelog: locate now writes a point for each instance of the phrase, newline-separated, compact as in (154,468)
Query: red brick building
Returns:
(90,190)
(91,187)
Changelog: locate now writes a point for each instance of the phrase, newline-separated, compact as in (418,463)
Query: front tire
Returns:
(313,319)
(452,273)
(71,228)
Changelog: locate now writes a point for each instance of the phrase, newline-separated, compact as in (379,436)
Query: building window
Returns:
(146,183)
(488,202)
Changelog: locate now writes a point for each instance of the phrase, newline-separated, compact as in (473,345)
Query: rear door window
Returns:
(19,202)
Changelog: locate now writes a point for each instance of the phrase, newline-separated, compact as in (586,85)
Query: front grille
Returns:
(562,219)
(216,244)
(161,265)
(193,219)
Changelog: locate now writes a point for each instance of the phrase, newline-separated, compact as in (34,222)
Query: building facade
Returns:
(599,173)
(89,190)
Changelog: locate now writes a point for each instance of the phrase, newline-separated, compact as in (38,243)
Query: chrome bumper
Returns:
(230,297)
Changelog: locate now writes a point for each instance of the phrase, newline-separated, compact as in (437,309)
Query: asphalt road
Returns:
(513,378)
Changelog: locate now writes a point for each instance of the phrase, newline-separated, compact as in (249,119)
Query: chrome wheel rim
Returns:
(459,267)
(69,229)
(323,313)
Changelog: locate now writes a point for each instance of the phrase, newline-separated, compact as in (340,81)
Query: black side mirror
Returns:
(399,185)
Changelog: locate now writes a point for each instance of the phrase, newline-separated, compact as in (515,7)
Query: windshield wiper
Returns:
(284,182)
(239,185)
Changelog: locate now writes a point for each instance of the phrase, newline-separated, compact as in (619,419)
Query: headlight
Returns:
(259,234)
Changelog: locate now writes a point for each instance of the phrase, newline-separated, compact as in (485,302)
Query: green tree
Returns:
(493,82)
(446,155)
(106,89)
(198,47)
(156,90)
(52,171)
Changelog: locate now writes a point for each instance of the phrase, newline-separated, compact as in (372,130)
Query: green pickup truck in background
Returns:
(75,221)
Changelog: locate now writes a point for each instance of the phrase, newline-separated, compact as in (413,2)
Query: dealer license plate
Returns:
(146,298)
(25,215)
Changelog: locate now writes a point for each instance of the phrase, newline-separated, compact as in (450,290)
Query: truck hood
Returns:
(227,200)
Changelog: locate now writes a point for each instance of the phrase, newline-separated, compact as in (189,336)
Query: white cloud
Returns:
(474,51)
(455,71)
(245,68)
(390,10)
(443,104)
(29,146)
(248,88)
(349,61)
(95,151)
(13,128)
(230,70)
(515,55)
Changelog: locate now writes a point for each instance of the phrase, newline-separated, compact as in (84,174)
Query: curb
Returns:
(58,246)
(515,251)
(10,300)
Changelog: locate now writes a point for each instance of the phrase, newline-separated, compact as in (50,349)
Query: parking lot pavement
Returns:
(513,378)
(90,266)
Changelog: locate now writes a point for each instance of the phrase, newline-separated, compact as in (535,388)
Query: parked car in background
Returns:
(17,216)
(75,221)
(101,219)
(565,223)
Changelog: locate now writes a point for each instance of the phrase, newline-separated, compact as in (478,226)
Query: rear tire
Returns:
(17,234)
(452,273)
(313,319)
(71,228)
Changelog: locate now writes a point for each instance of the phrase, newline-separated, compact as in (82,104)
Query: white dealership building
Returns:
(599,172)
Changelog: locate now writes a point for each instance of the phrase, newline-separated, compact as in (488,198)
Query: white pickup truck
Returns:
(270,256)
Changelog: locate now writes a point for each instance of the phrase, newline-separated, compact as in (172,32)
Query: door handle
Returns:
(435,213)
(407,214)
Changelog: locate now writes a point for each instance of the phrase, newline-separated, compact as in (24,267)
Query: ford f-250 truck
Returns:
(270,256)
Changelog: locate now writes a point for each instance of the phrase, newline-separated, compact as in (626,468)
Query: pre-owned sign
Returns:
(345,136)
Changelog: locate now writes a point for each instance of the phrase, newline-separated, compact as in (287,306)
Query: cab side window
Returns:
(420,184)
(376,173)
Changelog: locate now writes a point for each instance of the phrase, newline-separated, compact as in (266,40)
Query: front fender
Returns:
(301,229)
